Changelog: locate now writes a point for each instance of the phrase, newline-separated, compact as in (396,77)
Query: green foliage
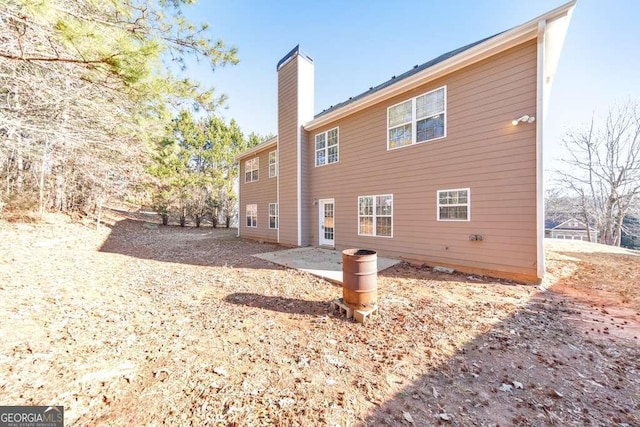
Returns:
(255,139)
(196,165)
(129,45)
(89,86)
(631,232)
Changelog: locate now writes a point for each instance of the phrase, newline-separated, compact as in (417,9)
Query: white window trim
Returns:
(274,164)
(374,216)
(254,208)
(257,168)
(414,126)
(468,204)
(326,147)
(277,216)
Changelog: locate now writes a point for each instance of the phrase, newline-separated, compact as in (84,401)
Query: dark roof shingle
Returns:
(396,79)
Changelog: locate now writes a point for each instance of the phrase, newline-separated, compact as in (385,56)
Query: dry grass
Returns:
(144,325)
(602,272)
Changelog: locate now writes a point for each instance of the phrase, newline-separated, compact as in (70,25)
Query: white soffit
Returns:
(555,35)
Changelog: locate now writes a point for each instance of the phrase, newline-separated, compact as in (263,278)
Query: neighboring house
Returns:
(571,229)
(440,165)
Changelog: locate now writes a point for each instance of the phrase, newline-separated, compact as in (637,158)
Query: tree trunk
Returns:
(19,173)
(60,195)
(198,219)
(585,216)
(99,216)
(165,219)
(618,230)
(608,224)
(183,215)
(43,167)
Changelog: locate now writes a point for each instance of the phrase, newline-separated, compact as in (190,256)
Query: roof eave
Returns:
(272,142)
(501,42)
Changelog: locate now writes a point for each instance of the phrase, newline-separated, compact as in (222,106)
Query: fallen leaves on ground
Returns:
(137,324)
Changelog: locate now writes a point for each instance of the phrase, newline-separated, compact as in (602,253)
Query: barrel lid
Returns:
(358,252)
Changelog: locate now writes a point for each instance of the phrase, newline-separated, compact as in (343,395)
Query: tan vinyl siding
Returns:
(482,151)
(287,147)
(261,193)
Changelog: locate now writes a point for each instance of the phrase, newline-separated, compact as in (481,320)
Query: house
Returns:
(440,165)
(571,229)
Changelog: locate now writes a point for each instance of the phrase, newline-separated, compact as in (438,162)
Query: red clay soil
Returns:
(140,324)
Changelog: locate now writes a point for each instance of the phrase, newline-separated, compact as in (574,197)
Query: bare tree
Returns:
(603,170)
(84,86)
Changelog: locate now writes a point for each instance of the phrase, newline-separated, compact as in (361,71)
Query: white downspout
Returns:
(238,232)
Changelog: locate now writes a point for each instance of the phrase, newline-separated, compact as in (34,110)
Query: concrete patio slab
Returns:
(325,263)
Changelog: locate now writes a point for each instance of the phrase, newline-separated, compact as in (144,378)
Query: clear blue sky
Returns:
(359,44)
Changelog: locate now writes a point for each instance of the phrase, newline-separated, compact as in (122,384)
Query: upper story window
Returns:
(251,167)
(327,147)
(454,205)
(273,164)
(375,215)
(418,119)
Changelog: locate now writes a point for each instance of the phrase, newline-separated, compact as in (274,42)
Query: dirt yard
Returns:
(139,324)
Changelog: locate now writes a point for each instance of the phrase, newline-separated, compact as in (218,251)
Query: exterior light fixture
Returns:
(523,119)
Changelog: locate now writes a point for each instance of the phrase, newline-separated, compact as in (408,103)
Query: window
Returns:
(453,205)
(251,167)
(273,164)
(327,147)
(375,215)
(252,215)
(417,120)
(273,215)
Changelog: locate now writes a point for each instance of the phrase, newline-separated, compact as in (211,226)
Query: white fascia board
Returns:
(499,43)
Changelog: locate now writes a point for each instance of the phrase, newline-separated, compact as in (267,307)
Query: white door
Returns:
(326,216)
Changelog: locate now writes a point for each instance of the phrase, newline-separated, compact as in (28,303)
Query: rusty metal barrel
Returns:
(360,278)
